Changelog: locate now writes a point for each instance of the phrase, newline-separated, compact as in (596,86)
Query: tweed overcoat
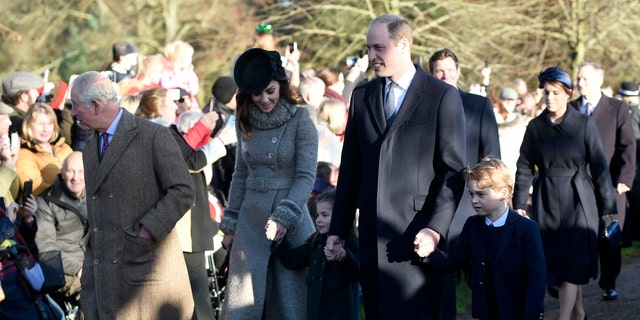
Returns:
(403,178)
(274,175)
(142,179)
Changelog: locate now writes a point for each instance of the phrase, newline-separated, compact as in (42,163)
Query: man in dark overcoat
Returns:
(482,141)
(615,125)
(401,170)
(138,186)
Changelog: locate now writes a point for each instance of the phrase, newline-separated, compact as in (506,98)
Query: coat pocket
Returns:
(139,261)
(418,202)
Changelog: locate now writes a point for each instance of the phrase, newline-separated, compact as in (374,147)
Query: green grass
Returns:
(631,252)
(463,297)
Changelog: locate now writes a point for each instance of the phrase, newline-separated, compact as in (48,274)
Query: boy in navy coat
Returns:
(502,249)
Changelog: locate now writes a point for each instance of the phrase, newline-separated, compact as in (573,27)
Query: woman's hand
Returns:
(209,120)
(275,231)
(522,212)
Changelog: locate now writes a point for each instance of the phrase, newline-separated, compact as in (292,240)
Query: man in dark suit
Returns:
(482,141)
(401,170)
(138,186)
(616,130)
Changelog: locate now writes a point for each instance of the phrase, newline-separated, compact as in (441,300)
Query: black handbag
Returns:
(612,234)
(51,264)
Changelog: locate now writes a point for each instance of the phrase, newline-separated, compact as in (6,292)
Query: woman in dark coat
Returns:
(568,199)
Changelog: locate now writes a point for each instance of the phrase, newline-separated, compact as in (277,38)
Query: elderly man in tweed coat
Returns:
(137,187)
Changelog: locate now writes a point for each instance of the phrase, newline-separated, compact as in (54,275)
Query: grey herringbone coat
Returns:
(273,178)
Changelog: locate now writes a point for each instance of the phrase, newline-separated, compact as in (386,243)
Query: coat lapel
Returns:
(126,131)
(411,99)
(375,92)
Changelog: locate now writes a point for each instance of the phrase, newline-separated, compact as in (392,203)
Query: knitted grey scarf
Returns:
(281,113)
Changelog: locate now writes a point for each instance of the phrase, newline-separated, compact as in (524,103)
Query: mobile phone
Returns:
(293,46)
(26,191)
(362,53)
(3,207)
(351,61)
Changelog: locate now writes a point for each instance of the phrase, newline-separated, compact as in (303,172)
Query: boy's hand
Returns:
(426,242)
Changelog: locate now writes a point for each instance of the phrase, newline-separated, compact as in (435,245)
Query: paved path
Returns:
(627,306)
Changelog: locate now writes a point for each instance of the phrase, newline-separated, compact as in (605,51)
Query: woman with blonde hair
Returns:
(43,149)
(158,106)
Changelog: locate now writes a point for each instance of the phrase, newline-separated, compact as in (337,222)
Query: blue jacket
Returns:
(519,268)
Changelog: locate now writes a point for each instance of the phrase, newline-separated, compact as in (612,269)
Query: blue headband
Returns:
(555,74)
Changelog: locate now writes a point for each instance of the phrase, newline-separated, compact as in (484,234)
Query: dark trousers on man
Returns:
(611,259)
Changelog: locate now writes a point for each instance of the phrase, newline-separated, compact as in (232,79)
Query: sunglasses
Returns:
(181,100)
(264,28)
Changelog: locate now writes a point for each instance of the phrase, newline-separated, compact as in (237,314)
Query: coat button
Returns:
(480,283)
(96,229)
(110,195)
(270,155)
(273,167)
(253,167)
(114,227)
(94,197)
(482,263)
(96,261)
(114,260)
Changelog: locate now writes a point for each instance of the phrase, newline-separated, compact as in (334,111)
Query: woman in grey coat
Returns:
(274,174)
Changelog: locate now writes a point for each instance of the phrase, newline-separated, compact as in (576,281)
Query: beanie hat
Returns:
(223,89)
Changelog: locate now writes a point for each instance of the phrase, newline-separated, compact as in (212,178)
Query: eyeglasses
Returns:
(264,28)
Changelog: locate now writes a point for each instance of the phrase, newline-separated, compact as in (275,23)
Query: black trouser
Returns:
(197,268)
(610,259)
(610,263)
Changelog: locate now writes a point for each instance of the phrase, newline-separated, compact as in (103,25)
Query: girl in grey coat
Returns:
(274,174)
